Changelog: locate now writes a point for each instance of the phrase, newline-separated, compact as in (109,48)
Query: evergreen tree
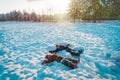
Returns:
(94,9)
(114,8)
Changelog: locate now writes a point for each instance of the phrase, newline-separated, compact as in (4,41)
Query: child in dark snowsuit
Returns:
(66,61)
(68,49)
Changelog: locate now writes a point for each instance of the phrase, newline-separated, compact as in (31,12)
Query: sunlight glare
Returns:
(55,6)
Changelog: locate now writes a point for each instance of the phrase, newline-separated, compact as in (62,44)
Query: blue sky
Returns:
(56,6)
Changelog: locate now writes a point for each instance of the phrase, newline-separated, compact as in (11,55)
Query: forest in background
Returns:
(31,17)
(94,10)
(78,10)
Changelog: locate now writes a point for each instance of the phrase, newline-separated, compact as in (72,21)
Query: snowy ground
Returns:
(23,46)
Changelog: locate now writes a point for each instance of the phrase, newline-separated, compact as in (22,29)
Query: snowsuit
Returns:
(71,51)
(66,61)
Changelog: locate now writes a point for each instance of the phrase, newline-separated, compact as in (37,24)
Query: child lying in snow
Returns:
(68,49)
(66,61)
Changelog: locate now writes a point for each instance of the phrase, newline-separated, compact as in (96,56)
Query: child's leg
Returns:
(74,52)
(72,60)
(69,49)
(69,63)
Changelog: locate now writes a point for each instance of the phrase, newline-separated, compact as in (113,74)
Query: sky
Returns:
(39,6)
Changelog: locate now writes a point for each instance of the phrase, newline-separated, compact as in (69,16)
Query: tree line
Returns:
(25,16)
(78,10)
(94,10)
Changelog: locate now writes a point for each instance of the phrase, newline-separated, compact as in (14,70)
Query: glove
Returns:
(42,63)
(67,45)
(51,51)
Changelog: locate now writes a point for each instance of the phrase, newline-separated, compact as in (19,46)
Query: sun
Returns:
(53,6)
